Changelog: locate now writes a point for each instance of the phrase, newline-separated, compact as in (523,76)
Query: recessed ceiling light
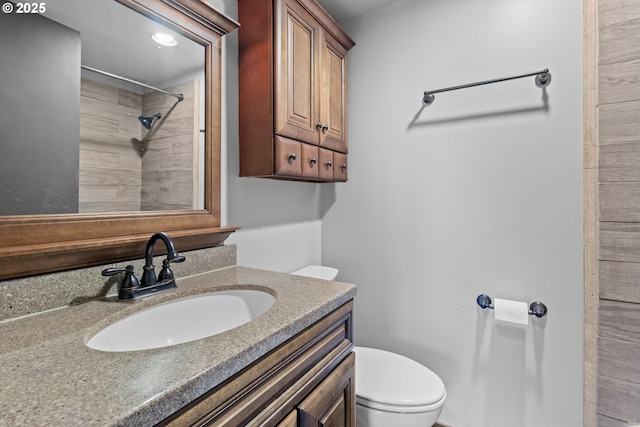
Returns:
(164,39)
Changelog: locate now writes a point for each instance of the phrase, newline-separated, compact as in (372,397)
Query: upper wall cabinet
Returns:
(293,91)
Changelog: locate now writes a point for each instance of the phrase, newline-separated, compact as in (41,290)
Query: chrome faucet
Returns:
(132,288)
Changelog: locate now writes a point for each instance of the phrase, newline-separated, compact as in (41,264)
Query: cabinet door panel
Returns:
(333,90)
(290,421)
(297,102)
(332,403)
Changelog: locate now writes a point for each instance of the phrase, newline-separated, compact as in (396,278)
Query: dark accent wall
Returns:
(39,115)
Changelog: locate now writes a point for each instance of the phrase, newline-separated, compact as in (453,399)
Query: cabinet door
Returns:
(296,91)
(332,403)
(290,421)
(333,94)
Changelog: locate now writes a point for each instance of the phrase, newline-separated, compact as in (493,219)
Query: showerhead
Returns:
(147,121)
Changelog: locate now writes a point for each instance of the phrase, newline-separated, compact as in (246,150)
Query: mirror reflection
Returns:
(101,110)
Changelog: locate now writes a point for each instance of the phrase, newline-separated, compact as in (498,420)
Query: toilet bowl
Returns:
(391,389)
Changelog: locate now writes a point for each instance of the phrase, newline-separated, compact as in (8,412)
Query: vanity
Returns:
(291,366)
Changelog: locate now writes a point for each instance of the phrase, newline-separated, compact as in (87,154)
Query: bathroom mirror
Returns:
(118,120)
(82,179)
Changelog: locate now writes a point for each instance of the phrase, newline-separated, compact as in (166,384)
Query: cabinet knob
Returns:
(329,164)
(322,127)
(292,156)
(313,161)
(343,167)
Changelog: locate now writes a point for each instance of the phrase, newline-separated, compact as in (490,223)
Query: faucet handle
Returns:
(115,270)
(130,281)
(166,273)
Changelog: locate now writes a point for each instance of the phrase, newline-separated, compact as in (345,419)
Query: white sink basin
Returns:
(183,320)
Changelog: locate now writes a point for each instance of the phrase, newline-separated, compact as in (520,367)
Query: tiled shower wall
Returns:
(170,149)
(125,167)
(110,162)
(618,135)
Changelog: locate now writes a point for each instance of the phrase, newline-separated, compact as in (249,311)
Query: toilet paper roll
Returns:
(511,311)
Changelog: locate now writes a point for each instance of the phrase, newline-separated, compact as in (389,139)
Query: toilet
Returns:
(391,389)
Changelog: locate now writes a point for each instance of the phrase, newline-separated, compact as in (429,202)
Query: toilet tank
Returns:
(317,272)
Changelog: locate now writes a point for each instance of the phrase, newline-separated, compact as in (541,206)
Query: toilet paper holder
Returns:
(536,308)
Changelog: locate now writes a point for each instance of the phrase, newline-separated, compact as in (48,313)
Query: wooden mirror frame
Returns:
(34,244)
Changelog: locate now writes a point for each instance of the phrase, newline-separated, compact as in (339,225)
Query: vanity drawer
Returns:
(288,159)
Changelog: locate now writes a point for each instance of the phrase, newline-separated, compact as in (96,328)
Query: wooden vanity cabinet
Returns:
(293,86)
(307,381)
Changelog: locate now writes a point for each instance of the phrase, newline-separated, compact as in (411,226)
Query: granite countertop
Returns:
(50,377)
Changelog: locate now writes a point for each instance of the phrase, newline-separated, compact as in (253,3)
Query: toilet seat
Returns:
(394,383)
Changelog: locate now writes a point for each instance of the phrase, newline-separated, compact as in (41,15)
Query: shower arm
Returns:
(115,76)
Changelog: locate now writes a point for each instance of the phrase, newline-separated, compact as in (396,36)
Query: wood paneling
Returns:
(612,12)
(620,241)
(619,82)
(619,359)
(617,43)
(619,122)
(618,200)
(590,220)
(610,422)
(618,399)
(620,162)
(619,281)
(620,320)
(590,373)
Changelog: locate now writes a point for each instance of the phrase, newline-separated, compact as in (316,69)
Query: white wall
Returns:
(479,193)
(280,221)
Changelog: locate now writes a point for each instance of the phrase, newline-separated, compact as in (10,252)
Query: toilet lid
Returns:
(391,380)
